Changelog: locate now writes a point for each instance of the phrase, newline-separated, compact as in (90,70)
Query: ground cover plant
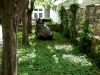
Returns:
(56,57)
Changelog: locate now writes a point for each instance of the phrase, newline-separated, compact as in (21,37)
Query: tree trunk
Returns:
(24,32)
(9,58)
(9,54)
(29,22)
(29,13)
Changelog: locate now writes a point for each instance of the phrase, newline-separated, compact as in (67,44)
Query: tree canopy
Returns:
(47,4)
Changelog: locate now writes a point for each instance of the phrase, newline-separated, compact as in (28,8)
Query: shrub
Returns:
(85,38)
(51,22)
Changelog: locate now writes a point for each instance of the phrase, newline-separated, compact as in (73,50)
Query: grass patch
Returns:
(56,57)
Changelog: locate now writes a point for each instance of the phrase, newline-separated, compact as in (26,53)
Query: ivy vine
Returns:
(61,12)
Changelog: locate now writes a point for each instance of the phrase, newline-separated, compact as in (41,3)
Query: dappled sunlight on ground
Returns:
(78,59)
(57,57)
(65,47)
(82,59)
(27,56)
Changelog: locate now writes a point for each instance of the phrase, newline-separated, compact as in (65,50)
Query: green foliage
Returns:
(66,30)
(34,19)
(47,4)
(74,7)
(97,61)
(85,37)
(73,31)
(60,28)
(61,12)
(57,57)
(51,22)
(72,24)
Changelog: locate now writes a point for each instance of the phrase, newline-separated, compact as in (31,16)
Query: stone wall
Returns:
(95,45)
(53,27)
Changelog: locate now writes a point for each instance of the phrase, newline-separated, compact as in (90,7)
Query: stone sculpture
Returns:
(42,31)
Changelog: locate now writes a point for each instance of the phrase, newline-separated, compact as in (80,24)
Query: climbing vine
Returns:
(61,12)
(73,8)
(66,30)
